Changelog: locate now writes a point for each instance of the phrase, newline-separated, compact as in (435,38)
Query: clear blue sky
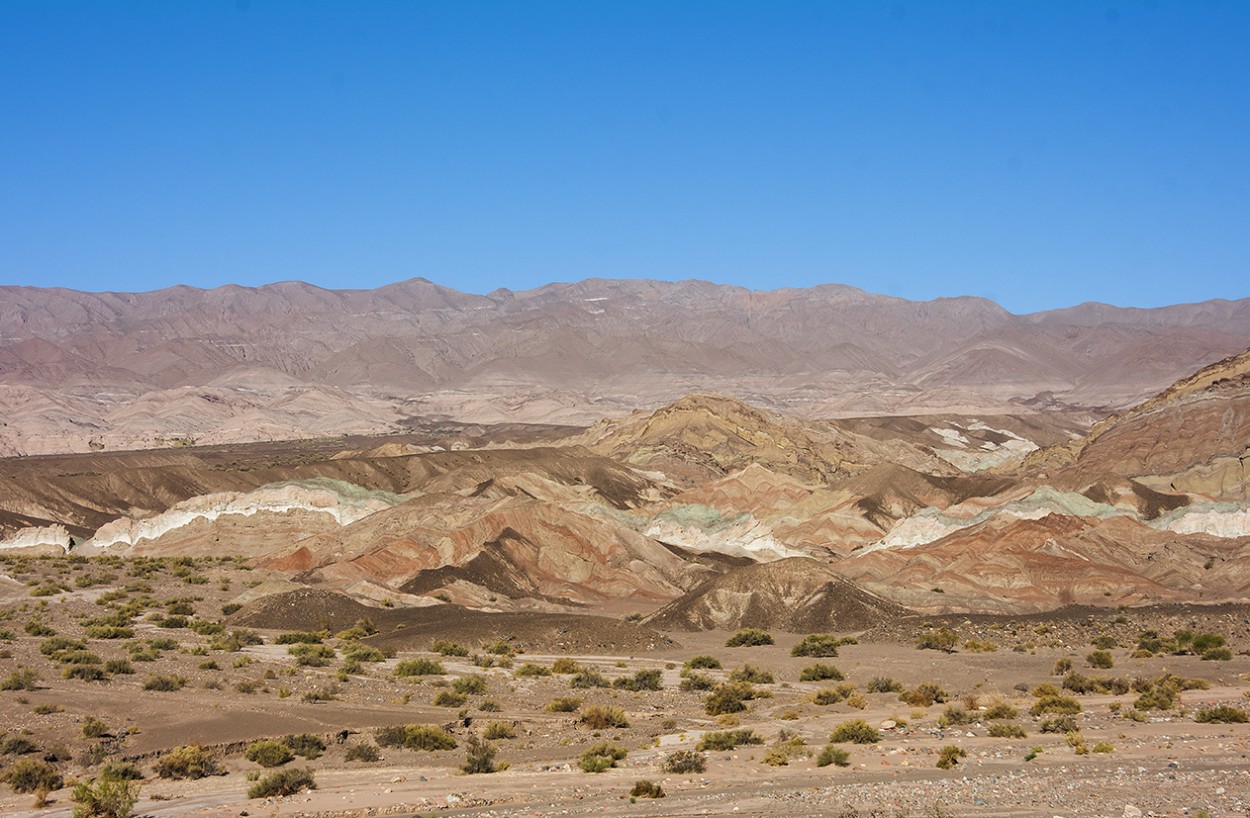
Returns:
(1038,153)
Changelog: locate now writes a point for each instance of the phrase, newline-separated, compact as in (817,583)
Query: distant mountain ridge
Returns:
(130,370)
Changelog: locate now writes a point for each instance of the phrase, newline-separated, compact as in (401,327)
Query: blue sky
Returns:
(1037,153)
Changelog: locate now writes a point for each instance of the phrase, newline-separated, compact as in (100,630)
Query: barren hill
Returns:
(236,364)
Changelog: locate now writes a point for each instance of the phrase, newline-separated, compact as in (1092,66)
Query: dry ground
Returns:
(1166,762)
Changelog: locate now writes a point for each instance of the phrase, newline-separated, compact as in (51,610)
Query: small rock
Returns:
(1131,811)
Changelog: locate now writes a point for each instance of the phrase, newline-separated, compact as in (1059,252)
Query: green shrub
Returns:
(23,678)
(305,744)
(415,737)
(599,717)
(1217,655)
(749,638)
(856,731)
(601,757)
(479,756)
(728,697)
(531,669)
(1062,666)
(87,673)
(943,639)
(828,695)
(693,682)
(950,756)
(683,762)
(564,666)
(820,672)
(363,752)
(646,789)
(497,730)
(108,632)
(818,645)
(165,684)
(752,675)
(268,753)
(1005,729)
(473,684)
(121,667)
(1065,723)
(189,761)
(299,638)
(924,694)
(1100,659)
(1222,714)
(1055,704)
(448,648)
(357,652)
(449,698)
(312,655)
(955,715)
(121,771)
(702,662)
(587,678)
(30,775)
(282,782)
(16,745)
(1002,710)
(566,704)
(836,756)
(418,667)
(722,740)
(94,728)
(641,680)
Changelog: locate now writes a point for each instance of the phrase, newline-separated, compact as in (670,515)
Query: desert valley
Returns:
(621,548)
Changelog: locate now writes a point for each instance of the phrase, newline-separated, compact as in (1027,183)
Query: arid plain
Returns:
(934,572)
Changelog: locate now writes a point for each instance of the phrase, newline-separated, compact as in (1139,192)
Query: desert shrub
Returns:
(649,679)
(728,739)
(162,643)
(646,789)
(564,666)
(980,646)
(1103,747)
(1005,729)
(692,682)
(418,667)
(1104,642)
(587,678)
(108,632)
(312,655)
(1161,695)
(305,744)
(883,684)
(728,697)
(282,782)
(924,694)
(1055,704)
(601,757)
(856,731)
(1001,710)
(299,638)
(31,775)
(48,709)
(955,715)
(473,684)
(363,752)
(943,639)
(449,698)
(165,684)
(479,756)
(949,756)
(599,717)
(1222,714)
(1065,723)
(817,645)
(23,678)
(53,646)
(206,627)
(427,737)
(702,662)
(230,608)
(828,695)
(16,745)
(1100,659)
(121,771)
(87,673)
(836,756)
(682,762)
(565,704)
(749,638)
(1062,666)
(189,761)
(356,652)
(268,753)
(121,667)
(94,728)
(752,675)
(1217,655)
(531,669)
(446,647)
(497,730)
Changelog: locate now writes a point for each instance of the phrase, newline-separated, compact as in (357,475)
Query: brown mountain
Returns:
(235,364)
